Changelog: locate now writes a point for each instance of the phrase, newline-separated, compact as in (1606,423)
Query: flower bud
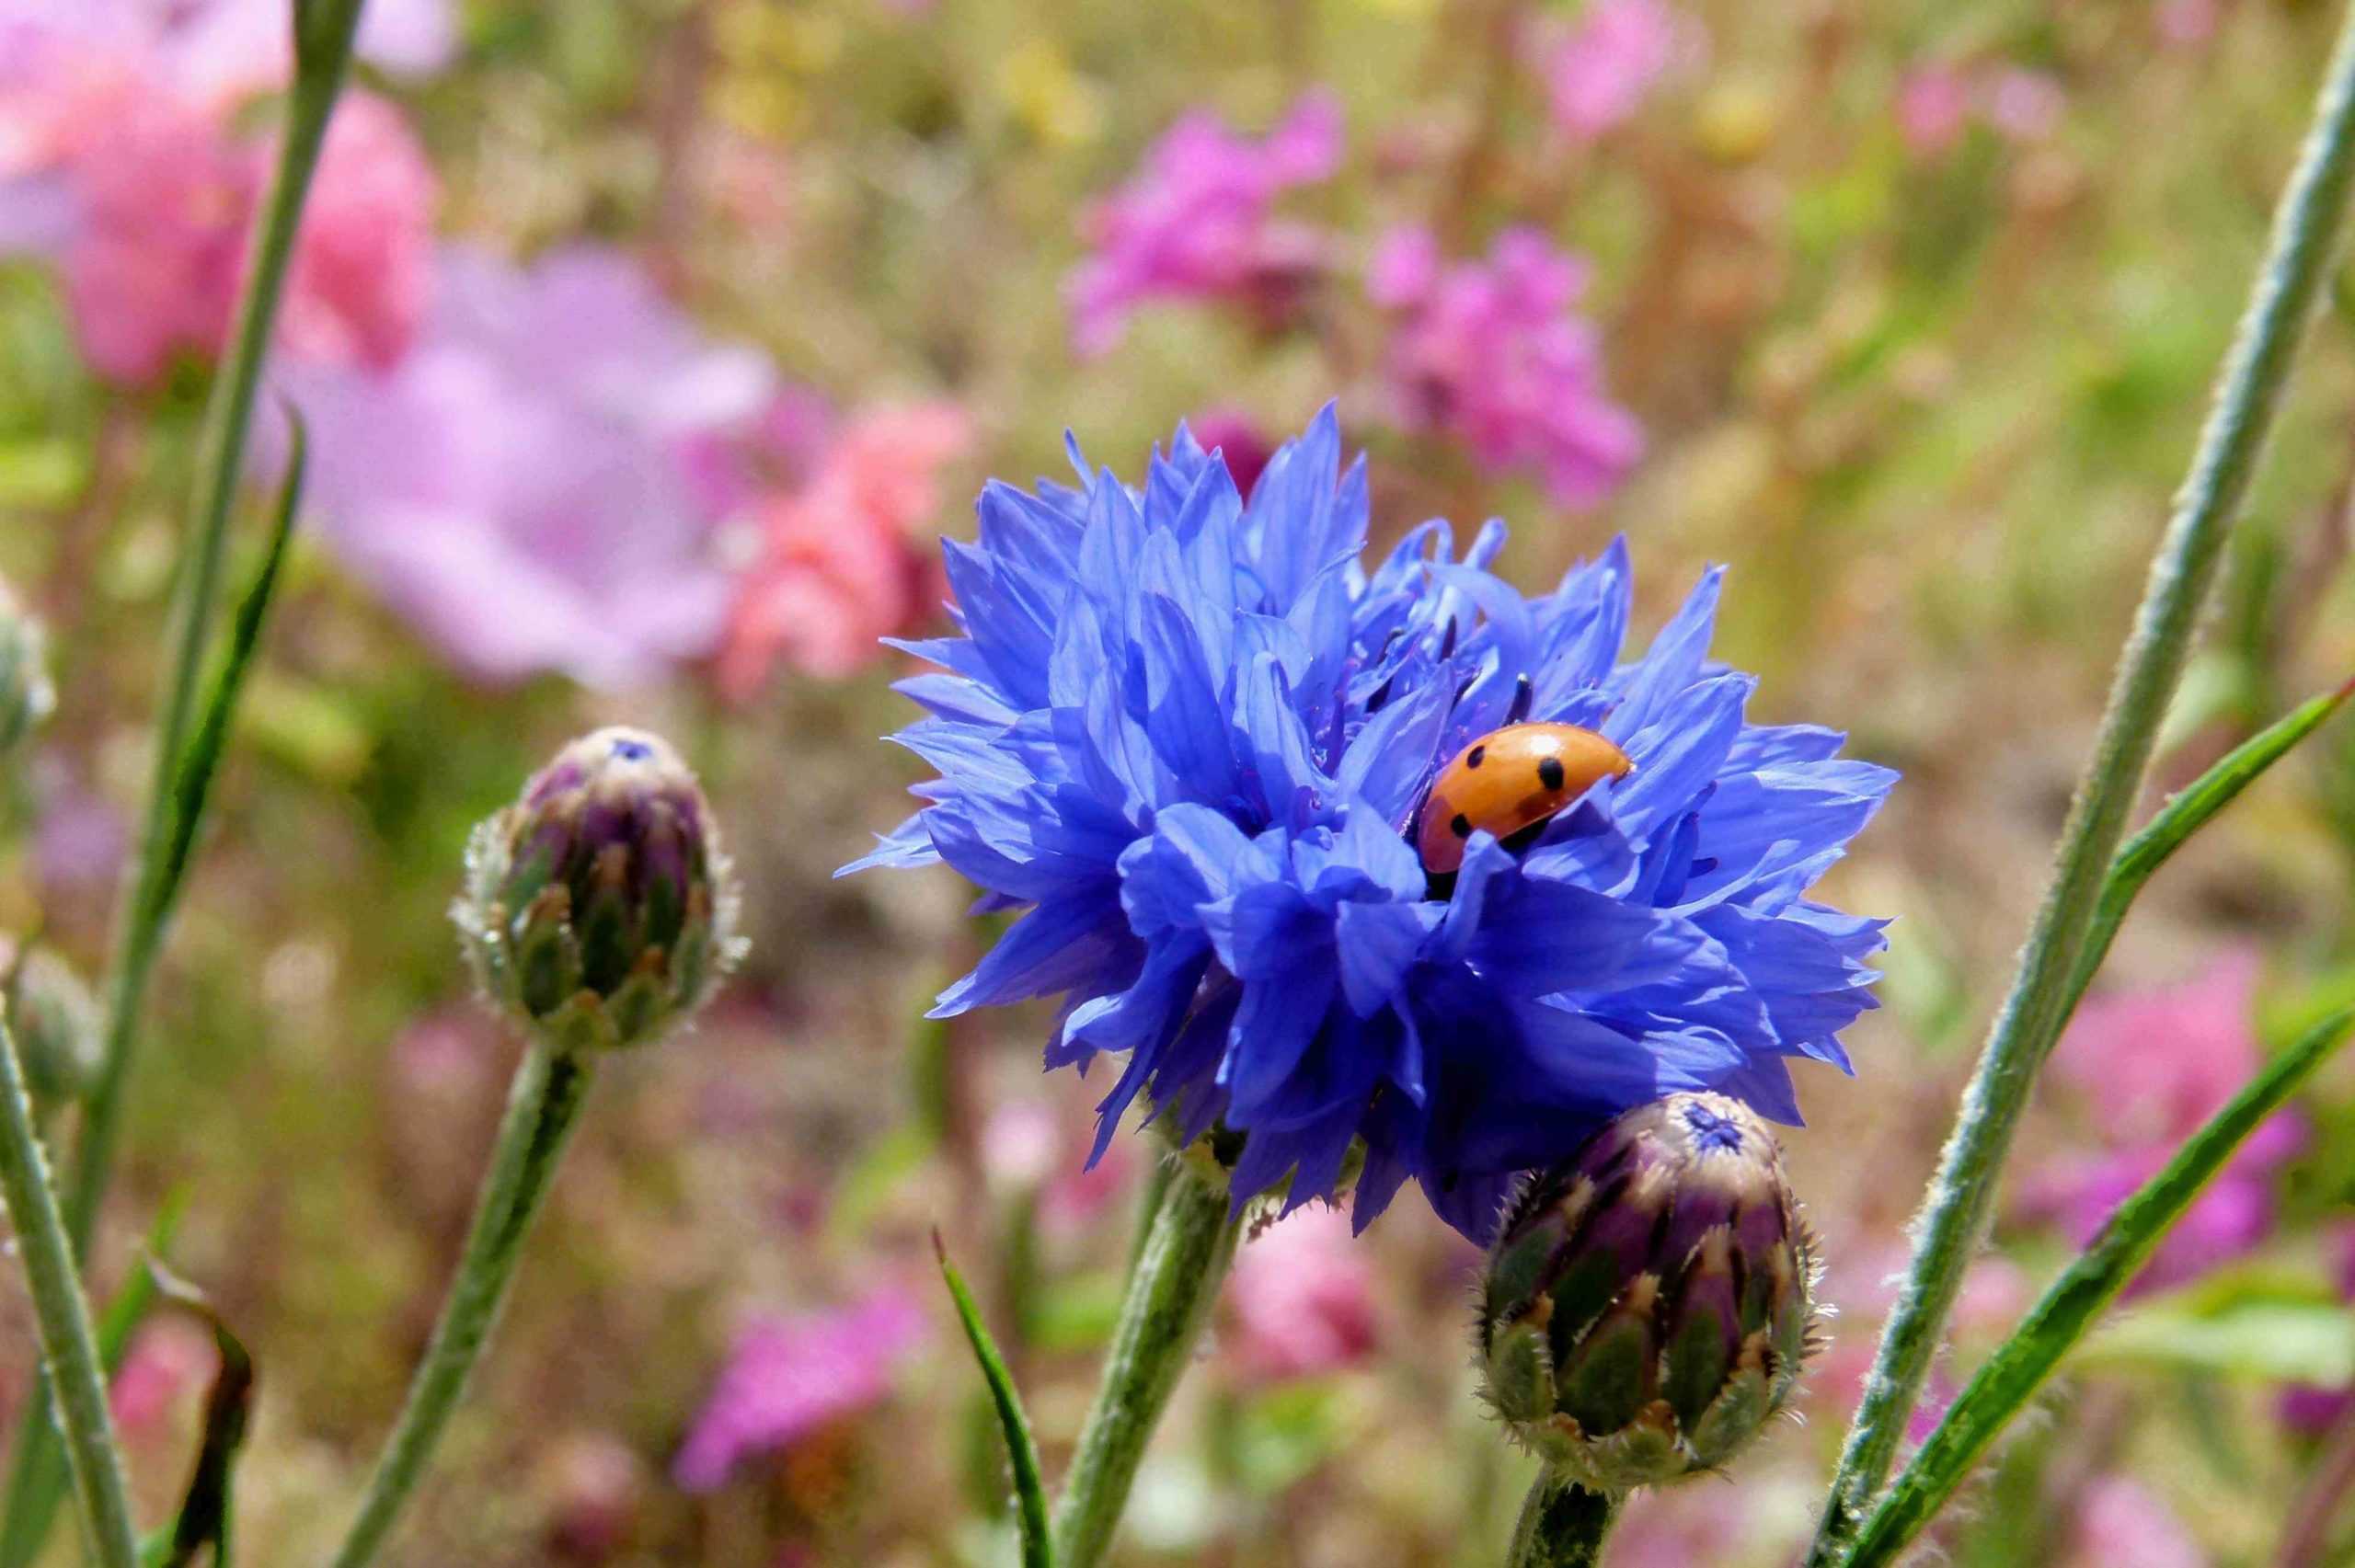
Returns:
(25,695)
(53,1019)
(1647,1305)
(599,908)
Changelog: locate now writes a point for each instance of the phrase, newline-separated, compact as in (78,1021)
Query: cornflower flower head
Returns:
(1197,222)
(1493,355)
(1198,739)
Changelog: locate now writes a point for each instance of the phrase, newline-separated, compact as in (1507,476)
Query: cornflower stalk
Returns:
(323,32)
(2305,240)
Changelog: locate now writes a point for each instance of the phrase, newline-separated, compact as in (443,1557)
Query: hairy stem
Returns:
(1562,1525)
(69,1349)
(1953,1223)
(1175,1277)
(542,1109)
(322,33)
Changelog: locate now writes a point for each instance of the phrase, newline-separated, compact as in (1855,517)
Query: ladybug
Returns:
(1508,781)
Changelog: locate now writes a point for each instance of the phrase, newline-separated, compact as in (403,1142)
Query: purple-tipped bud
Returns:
(53,1019)
(1647,1305)
(25,695)
(599,908)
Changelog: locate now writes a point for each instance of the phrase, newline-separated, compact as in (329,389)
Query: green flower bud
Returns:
(25,695)
(599,908)
(1648,1305)
(54,1021)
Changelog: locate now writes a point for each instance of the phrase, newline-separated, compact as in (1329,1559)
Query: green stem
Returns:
(542,1108)
(69,1348)
(1562,1526)
(1953,1222)
(322,33)
(1175,1278)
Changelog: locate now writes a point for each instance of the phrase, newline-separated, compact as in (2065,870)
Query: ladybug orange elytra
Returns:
(1507,779)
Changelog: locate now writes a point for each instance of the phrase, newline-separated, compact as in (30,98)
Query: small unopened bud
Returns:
(1648,1305)
(25,695)
(54,1021)
(599,908)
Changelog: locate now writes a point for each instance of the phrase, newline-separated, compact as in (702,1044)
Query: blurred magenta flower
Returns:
(1937,102)
(1197,222)
(849,558)
(2120,1521)
(789,1377)
(2185,24)
(519,485)
(2153,1065)
(1237,437)
(1492,354)
(1302,1297)
(1599,74)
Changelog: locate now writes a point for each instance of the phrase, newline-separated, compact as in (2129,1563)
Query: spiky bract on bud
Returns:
(25,695)
(599,908)
(1648,1304)
(53,1019)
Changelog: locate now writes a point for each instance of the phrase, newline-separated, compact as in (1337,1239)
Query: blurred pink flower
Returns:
(362,268)
(1302,1297)
(168,1357)
(122,162)
(848,559)
(1196,221)
(2155,1065)
(152,259)
(1599,75)
(1493,354)
(2025,105)
(789,1377)
(1026,1147)
(1932,108)
(518,485)
(2185,24)
(595,1486)
(2120,1521)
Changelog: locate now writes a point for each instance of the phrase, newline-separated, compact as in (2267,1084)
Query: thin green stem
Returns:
(69,1347)
(323,32)
(1953,1222)
(1170,1290)
(1562,1526)
(542,1109)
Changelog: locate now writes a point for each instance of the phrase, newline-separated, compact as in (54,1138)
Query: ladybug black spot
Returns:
(1461,826)
(1475,756)
(1549,772)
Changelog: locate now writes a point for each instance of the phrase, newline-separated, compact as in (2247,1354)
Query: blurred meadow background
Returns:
(649,347)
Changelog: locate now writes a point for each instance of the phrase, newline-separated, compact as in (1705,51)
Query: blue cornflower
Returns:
(1191,734)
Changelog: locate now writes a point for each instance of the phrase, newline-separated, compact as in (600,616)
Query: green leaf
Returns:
(2295,1342)
(2010,1377)
(201,763)
(1022,1449)
(2184,814)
